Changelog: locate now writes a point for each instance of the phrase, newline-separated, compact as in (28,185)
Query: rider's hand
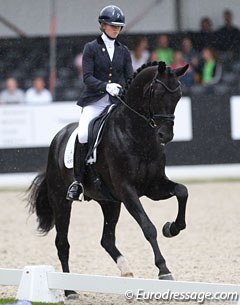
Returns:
(113,89)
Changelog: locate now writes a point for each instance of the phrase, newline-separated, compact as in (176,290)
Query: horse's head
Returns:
(162,96)
(153,94)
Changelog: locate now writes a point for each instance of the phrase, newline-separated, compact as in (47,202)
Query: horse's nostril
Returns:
(160,134)
(165,137)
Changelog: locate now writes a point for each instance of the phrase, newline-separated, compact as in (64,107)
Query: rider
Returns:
(107,66)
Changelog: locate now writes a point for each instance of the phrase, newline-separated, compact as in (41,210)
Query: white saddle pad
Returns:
(69,151)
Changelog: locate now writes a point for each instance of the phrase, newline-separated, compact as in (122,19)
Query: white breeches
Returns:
(88,113)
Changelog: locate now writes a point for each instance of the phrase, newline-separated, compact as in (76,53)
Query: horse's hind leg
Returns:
(111,211)
(62,220)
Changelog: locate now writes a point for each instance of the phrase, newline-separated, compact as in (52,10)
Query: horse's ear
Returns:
(161,66)
(181,71)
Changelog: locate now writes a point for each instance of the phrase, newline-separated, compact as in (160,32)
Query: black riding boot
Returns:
(76,188)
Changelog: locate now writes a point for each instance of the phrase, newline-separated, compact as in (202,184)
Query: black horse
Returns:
(131,164)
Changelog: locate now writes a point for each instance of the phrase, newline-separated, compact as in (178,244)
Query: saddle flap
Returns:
(95,132)
(94,138)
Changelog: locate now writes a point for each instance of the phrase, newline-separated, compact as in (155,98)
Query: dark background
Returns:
(211,144)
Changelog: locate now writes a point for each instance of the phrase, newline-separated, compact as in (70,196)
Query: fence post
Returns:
(34,286)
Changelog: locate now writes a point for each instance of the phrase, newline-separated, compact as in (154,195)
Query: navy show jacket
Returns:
(99,70)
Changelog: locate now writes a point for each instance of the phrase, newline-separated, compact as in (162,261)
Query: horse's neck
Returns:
(131,117)
(135,95)
(135,127)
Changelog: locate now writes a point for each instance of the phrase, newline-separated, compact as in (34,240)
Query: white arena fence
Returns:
(205,145)
(184,173)
(43,284)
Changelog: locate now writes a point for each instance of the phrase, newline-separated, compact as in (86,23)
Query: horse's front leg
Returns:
(135,208)
(164,190)
(171,229)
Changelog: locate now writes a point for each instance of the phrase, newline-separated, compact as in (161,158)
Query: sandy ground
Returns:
(208,250)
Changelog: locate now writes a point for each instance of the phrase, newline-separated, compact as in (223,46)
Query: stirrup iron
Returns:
(75,184)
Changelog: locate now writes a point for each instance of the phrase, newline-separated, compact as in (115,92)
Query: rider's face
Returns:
(111,30)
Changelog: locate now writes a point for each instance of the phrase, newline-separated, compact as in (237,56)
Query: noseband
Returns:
(151,119)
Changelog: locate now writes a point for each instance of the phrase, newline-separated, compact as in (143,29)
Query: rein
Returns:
(166,87)
(152,117)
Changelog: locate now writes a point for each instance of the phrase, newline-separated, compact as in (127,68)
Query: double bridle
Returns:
(151,119)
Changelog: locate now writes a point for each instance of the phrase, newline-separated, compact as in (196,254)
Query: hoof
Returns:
(170,230)
(166,277)
(72,296)
(127,274)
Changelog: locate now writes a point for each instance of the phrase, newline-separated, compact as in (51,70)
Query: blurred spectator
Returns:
(79,84)
(209,71)
(228,36)
(206,25)
(178,61)
(38,94)
(206,36)
(163,52)
(78,65)
(11,94)
(189,54)
(140,54)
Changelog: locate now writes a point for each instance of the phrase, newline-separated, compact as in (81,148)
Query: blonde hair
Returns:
(101,27)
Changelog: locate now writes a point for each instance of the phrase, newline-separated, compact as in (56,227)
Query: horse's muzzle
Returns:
(165,137)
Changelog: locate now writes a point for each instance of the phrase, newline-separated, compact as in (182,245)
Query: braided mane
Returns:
(149,64)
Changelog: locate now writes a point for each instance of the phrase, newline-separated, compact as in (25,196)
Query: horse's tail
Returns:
(39,203)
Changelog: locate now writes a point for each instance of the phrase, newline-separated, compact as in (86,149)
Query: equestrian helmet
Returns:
(112,15)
